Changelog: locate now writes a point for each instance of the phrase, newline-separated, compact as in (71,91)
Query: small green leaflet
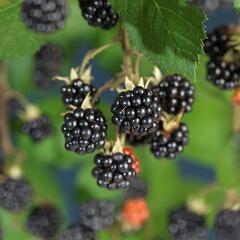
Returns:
(167,32)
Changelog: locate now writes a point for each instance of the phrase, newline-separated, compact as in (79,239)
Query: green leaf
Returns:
(237,4)
(167,32)
(15,38)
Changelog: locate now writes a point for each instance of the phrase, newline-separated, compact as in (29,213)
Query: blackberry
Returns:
(113,171)
(138,189)
(47,65)
(136,112)
(75,93)
(38,129)
(98,13)
(97,214)
(175,93)
(224,75)
(45,16)
(15,194)
(78,232)
(227,224)
(186,225)
(84,130)
(169,144)
(44,222)
(217,42)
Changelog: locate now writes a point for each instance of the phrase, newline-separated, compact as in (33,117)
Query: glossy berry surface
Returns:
(38,129)
(217,42)
(138,189)
(44,16)
(175,94)
(113,171)
(84,130)
(78,232)
(15,194)
(98,13)
(48,61)
(75,93)
(169,145)
(44,222)
(227,224)
(224,75)
(97,214)
(185,224)
(135,213)
(136,112)
(136,162)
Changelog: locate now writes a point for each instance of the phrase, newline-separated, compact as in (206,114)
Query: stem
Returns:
(92,54)
(108,85)
(127,62)
(137,65)
(5,137)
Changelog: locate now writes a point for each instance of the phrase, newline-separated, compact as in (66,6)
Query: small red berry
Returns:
(135,165)
(236,96)
(135,214)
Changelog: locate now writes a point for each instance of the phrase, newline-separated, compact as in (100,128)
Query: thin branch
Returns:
(108,85)
(137,65)
(5,137)
(92,54)
(127,62)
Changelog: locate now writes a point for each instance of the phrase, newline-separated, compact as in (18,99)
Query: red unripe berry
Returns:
(135,165)
(236,96)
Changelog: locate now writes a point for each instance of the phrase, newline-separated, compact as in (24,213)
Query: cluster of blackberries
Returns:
(175,94)
(44,221)
(78,232)
(47,65)
(45,16)
(98,13)
(113,171)
(38,128)
(169,144)
(136,112)
(225,74)
(75,93)
(185,224)
(84,130)
(97,214)
(227,225)
(15,194)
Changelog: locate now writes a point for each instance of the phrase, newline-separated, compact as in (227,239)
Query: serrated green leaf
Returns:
(168,32)
(15,38)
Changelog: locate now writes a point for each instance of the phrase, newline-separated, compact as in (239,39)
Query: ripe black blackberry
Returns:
(97,214)
(45,16)
(227,224)
(169,144)
(98,13)
(217,42)
(78,232)
(186,225)
(38,128)
(136,112)
(175,93)
(84,130)
(47,65)
(44,221)
(15,194)
(138,189)
(224,75)
(113,171)
(75,93)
